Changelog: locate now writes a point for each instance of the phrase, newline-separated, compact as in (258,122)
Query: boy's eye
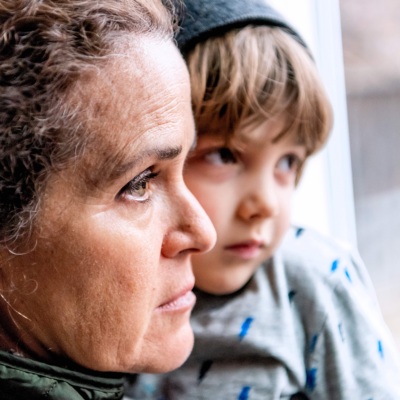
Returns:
(220,156)
(138,188)
(289,163)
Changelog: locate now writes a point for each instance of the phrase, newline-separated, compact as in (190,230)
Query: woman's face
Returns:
(109,281)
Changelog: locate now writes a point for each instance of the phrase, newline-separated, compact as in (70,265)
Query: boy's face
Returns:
(246,188)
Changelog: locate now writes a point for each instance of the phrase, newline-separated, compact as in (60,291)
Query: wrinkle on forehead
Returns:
(120,110)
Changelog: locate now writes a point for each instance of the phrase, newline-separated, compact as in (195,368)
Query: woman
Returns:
(97,226)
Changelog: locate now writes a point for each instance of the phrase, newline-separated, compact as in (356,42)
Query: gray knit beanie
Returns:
(206,18)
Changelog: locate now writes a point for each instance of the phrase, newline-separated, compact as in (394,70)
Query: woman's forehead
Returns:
(133,98)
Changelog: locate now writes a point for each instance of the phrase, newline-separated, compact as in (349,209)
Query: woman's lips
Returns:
(183,302)
(246,250)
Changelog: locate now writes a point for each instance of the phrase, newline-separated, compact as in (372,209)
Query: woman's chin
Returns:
(175,353)
(159,356)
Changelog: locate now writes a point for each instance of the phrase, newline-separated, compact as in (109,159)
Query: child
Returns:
(282,313)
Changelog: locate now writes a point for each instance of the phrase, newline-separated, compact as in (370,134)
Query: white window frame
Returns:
(324,199)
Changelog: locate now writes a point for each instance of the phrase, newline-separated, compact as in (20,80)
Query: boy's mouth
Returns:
(246,250)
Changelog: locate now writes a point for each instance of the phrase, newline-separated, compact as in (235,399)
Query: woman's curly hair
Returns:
(46,46)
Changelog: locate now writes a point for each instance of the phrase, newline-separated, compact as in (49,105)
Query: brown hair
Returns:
(255,73)
(45,48)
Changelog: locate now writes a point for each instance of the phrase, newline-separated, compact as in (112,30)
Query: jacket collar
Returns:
(22,378)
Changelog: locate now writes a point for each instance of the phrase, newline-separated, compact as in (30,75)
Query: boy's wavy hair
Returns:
(46,46)
(255,73)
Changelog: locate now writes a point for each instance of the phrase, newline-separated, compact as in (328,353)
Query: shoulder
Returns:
(334,300)
(308,245)
(326,278)
(314,258)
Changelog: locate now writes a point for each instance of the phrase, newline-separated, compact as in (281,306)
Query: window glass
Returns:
(371,44)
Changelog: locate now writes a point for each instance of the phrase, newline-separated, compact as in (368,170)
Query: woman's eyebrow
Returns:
(161,154)
(115,166)
(167,154)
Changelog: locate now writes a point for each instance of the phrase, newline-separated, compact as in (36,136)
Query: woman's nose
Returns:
(193,231)
(260,202)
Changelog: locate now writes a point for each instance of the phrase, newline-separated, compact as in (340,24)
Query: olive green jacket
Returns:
(23,379)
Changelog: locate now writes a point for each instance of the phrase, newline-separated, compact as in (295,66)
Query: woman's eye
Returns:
(138,188)
(220,156)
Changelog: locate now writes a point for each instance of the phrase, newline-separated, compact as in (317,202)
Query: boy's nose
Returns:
(260,203)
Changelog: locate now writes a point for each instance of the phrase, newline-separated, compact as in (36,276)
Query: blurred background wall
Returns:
(371,48)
